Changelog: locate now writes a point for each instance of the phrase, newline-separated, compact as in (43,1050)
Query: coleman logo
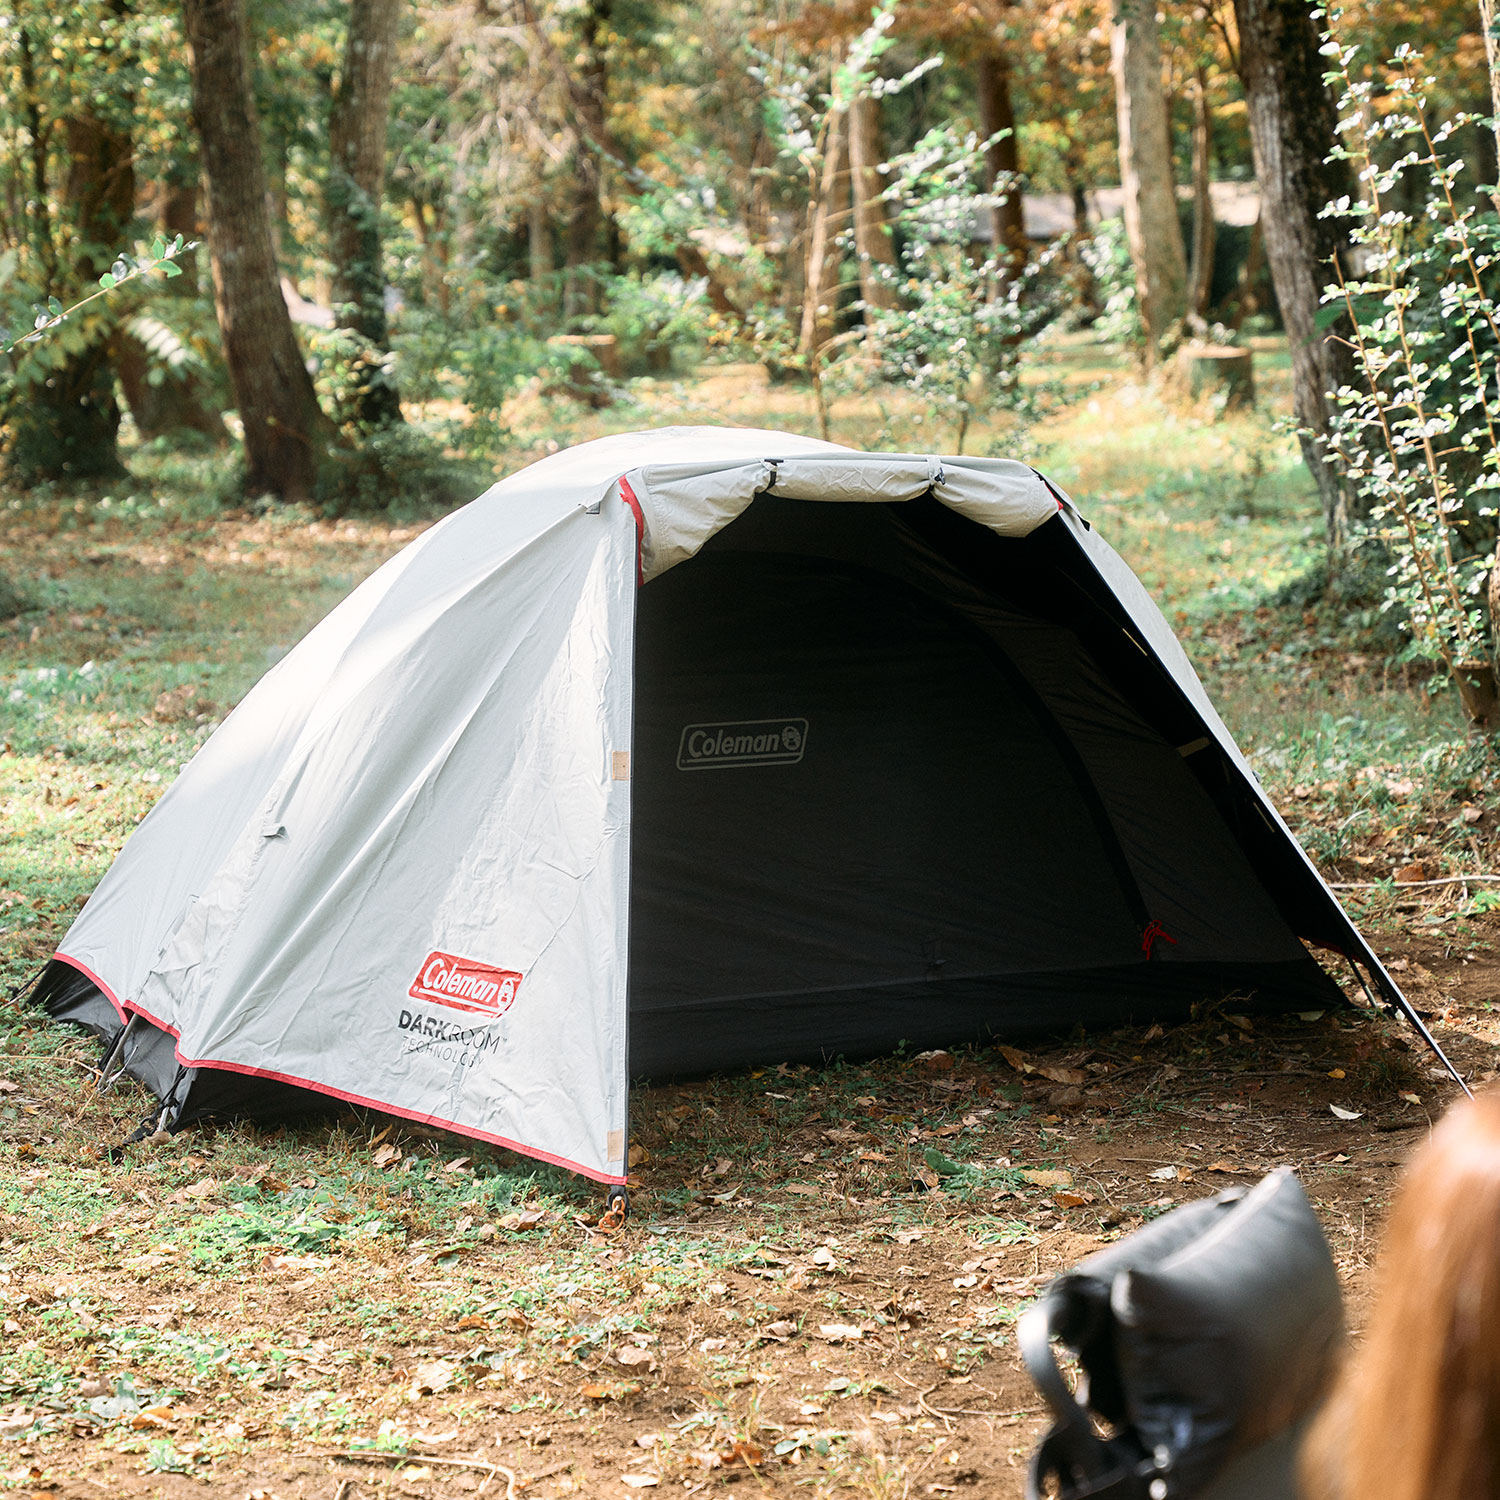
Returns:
(756,742)
(465,984)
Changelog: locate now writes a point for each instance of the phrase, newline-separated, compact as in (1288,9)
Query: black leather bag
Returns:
(1205,1342)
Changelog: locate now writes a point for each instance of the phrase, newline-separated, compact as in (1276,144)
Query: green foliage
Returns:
(404,469)
(1107,256)
(963,328)
(1417,435)
(653,316)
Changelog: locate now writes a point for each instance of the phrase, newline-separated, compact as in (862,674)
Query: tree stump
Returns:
(1217,371)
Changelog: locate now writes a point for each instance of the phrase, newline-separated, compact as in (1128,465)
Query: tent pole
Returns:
(1398,1001)
(116,1049)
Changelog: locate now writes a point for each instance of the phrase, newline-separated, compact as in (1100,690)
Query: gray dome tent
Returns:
(684,749)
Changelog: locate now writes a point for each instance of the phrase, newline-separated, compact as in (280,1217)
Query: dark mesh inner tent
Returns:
(895,780)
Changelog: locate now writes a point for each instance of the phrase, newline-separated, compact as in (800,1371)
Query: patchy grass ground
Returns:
(817,1290)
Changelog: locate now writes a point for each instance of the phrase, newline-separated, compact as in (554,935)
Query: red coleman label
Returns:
(465,984)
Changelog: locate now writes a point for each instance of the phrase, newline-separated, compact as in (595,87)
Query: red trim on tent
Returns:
(628,495)
(323,1088)
(89,974)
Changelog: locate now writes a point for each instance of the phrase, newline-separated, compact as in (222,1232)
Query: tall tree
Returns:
(1002,157)
(828,212)
(1293,124)
(285,432)
(872,234)
(586,212)
(1200,284)
(1151,224)
(356,178)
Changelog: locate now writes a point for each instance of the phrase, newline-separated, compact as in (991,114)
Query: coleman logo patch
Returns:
(465,984)
(755,742)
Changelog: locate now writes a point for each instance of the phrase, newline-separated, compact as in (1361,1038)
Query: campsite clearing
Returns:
(237,1311)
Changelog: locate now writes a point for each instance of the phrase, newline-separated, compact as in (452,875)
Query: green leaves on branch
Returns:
(1418,436)
(160,259)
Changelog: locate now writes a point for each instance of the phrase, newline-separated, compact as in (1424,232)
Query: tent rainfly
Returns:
(681,750)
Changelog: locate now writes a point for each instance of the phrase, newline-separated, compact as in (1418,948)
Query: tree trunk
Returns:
(586,214)
(1201,282)
(872,234)
(66,425)
(285,432)
(177,400)
(357,127)
(1151,224)
(1293,123)
(828,211)
(1002,157)
(1487,22)
(539,248)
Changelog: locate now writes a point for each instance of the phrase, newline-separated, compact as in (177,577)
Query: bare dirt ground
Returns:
(815,1293)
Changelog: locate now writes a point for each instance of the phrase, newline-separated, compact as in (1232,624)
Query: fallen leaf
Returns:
(1412,873)
(1164,1174)
(1317,1015)
(1223,1166)
(641,1481)
(934,1062)
(804,1189)
(1063,1075)
(433,1376)
(629,1355)
(614,1390)
(528,1218)
(1153,1033)
(1072,1199)
(745,1453)
(386,1156)
(1017,1059)
(1336,1073)
(1047,1177)
(840,1333)
(7,1087)
(639,1156)
(1412,1098)
(1345,1114)
(152,1417)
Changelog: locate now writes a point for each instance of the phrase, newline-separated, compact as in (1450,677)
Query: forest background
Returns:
(333,241)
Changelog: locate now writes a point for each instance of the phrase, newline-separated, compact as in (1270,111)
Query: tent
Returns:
(681,750)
